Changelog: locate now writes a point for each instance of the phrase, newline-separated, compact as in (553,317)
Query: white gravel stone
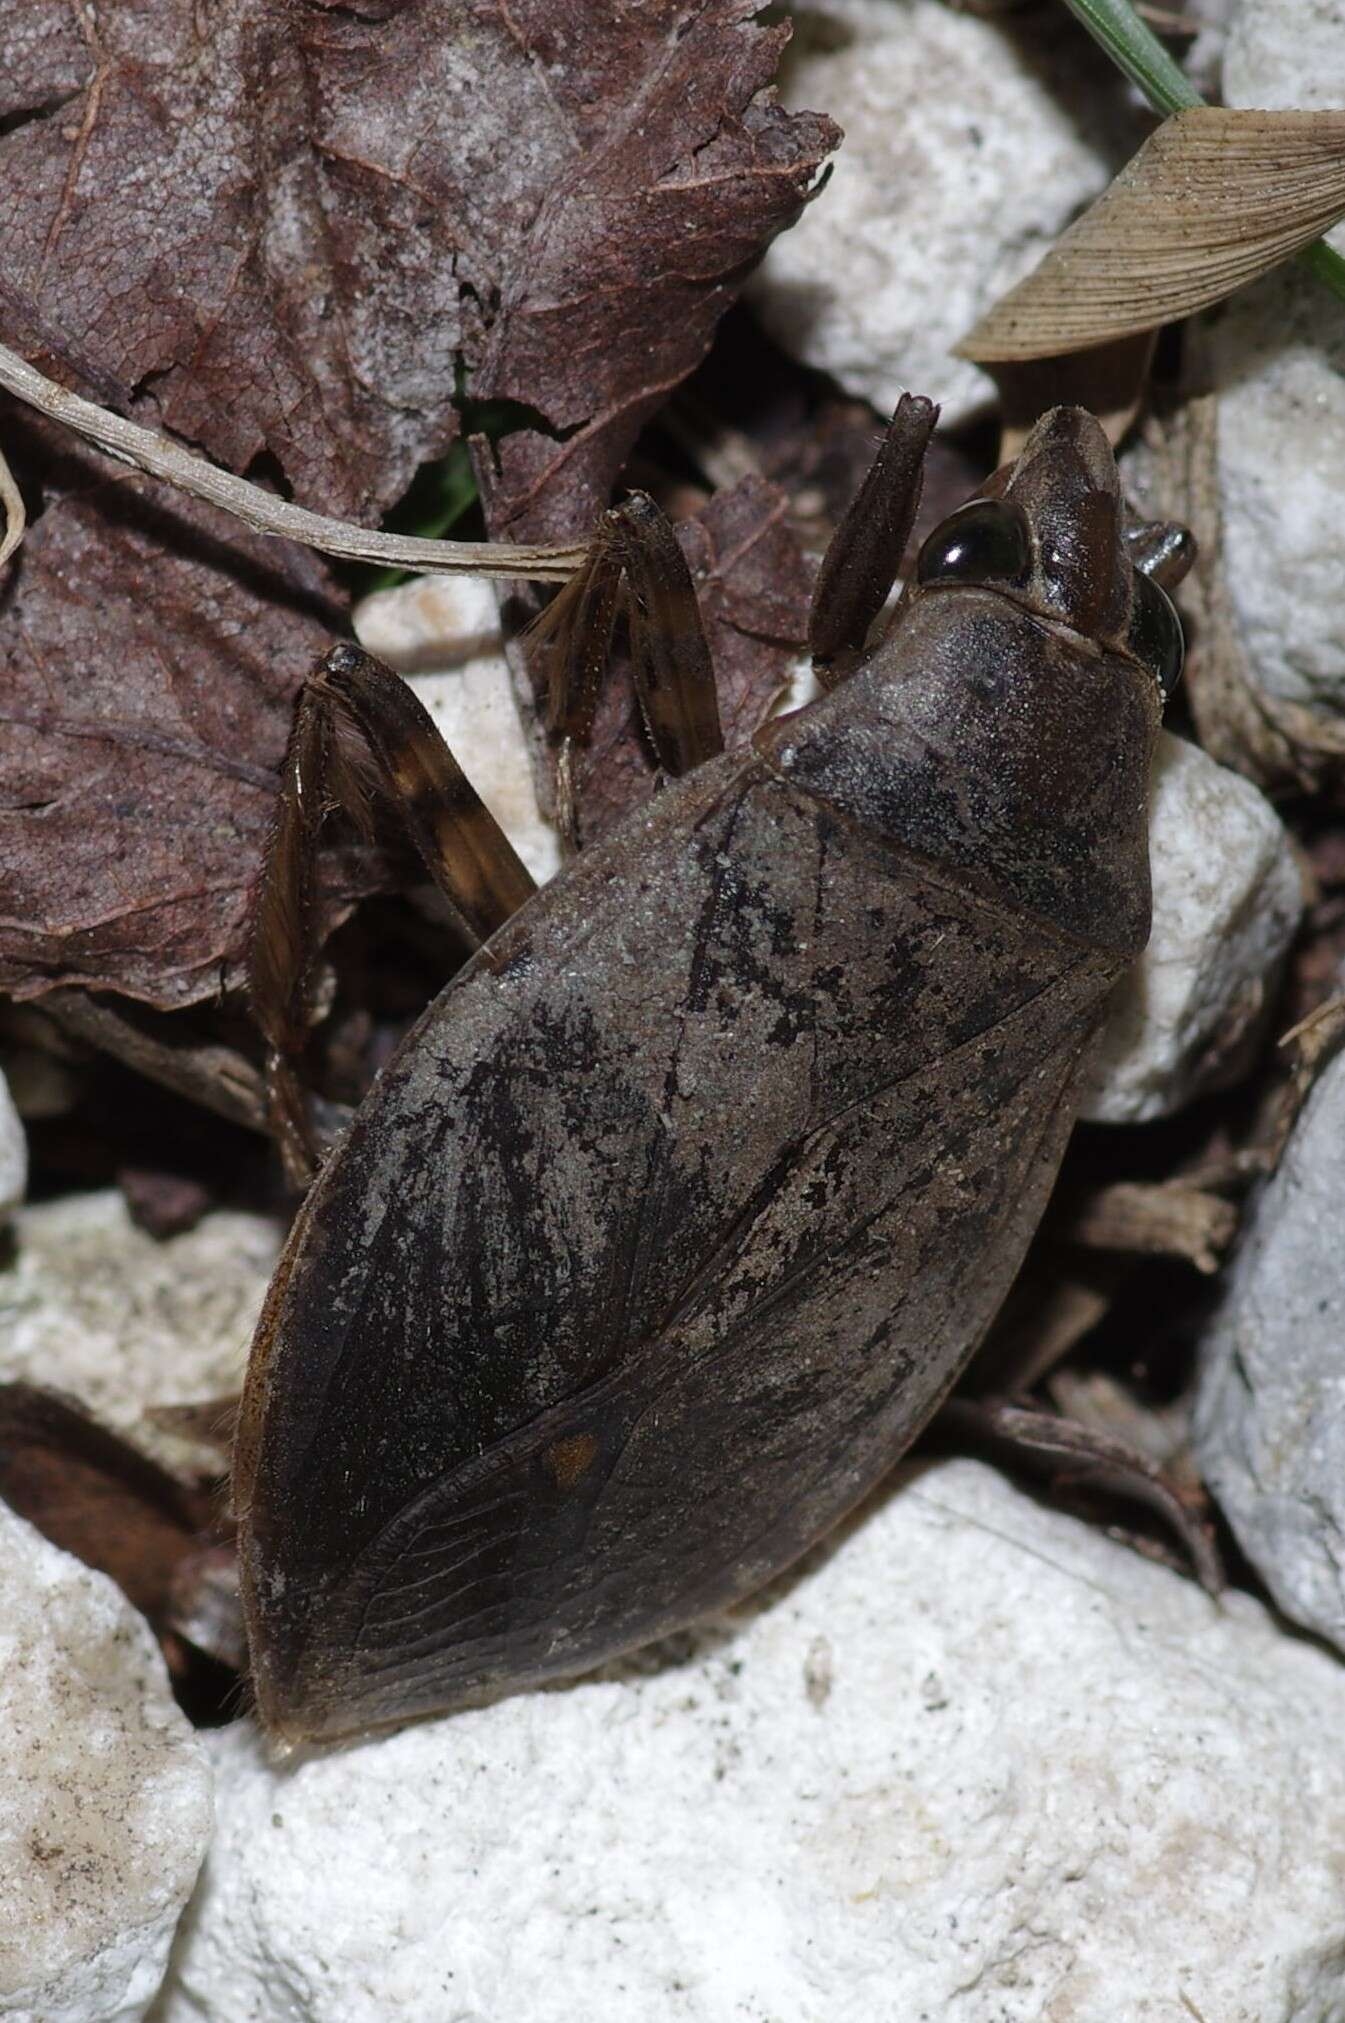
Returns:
(1270,1420)
(1204,58)
(1227,899)
(962,161)
(976,1764)
(1278,359)
(443,633)
(105,1794)
(430,622)
(121,1320)
(13,1154)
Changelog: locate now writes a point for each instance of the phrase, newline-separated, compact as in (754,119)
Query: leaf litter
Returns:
(291,242)
(148,654)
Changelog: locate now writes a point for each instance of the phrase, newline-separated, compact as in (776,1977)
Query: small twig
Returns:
(266,514)
(16,519)
(1082,1456)
(1167,1218)
(209,1074)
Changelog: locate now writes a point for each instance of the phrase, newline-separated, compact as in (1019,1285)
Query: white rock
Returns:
(975,1763)
(1270,1420)
(430,622)
(13,1153)
(1227,899)
(444,634)
(105,1804)
(1278,358)
(1277,354)
(120,1320)
(962,162)
(1204,58)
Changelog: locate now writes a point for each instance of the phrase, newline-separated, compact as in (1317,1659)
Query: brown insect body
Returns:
(681,1209)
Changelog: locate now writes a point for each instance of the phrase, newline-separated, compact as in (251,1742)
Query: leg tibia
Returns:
(864,555)
(356,723)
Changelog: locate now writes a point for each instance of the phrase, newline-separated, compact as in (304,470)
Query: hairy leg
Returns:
(635,555)
(358,728)
(864,554)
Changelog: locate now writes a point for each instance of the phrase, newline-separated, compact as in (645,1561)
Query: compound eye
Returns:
(985,541)
(1155,636)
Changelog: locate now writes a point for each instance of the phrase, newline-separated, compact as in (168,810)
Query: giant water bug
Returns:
(679,1211)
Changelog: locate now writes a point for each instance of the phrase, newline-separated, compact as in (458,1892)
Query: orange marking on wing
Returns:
(570,1459)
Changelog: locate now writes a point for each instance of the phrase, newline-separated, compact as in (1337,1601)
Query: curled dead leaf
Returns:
(149,657)
(1213,199)
(302,252)
(95,1495)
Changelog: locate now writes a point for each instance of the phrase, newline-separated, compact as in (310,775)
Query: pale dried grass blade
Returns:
(11,505)
(194,474)
(1213,199)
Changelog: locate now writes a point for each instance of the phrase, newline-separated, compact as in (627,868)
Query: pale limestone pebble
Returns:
(13,1154)
(430,622)
(1228,896)
(105,1794)
(122,1320)
(1203,59)
(443,633)
(1270,1417)
(967,151)
(1277,357)
(974,1762)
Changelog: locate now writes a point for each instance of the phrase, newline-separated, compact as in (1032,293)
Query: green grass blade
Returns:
(1116,27)
(1325,262)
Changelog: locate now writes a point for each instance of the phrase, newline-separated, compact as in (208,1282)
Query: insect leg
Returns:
(635,550)
(674,674)
(356,716)
(864,554)
(1161,549)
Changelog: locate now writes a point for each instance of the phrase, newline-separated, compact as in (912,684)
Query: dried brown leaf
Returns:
(684,171)
(294,223)
(1214,198)
(166,1542)
(1080,1458)
(149,656)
